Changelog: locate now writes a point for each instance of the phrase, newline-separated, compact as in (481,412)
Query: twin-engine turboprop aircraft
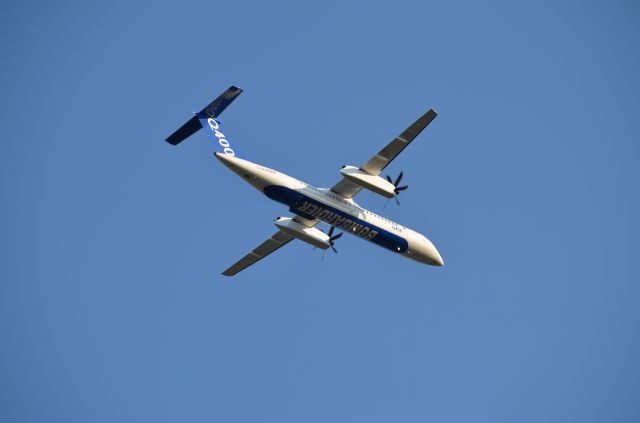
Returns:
(311,205)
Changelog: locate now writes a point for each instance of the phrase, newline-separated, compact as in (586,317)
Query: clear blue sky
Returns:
(112,306)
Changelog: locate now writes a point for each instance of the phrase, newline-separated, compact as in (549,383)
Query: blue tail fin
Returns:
(206,118)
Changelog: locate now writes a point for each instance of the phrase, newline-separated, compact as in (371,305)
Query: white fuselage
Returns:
(312,204)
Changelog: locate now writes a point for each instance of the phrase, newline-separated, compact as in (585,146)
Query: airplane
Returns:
(311,205)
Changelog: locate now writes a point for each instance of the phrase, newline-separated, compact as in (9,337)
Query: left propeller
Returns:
(332,239)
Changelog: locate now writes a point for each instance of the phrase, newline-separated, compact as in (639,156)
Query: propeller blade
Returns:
(331,231)
(334,249)
(397,201)
(333,238)
(399,179)
(389,179)
(402,188)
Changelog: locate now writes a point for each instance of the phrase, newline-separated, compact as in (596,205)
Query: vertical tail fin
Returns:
(206,118)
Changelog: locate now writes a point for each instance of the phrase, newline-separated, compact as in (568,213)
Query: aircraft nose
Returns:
(431,254)
(438,259)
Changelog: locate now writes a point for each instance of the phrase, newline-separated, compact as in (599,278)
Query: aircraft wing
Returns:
(380,160)
(279,239)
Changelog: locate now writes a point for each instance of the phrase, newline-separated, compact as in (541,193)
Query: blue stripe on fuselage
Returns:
(310,208)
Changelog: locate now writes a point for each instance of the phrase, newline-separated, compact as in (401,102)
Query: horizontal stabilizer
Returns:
(217,106)
(213,110)
(191,127)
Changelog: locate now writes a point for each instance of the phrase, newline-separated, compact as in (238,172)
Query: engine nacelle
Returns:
(371,182)
(312,236)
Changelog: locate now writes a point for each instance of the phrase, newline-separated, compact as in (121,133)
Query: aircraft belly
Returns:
(311,208)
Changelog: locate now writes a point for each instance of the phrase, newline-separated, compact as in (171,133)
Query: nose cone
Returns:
(432,255)
(424,251)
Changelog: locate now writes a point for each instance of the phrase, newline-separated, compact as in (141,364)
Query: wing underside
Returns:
(278,240)
(380,160)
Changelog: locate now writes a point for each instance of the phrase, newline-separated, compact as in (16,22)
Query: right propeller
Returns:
(395,184)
